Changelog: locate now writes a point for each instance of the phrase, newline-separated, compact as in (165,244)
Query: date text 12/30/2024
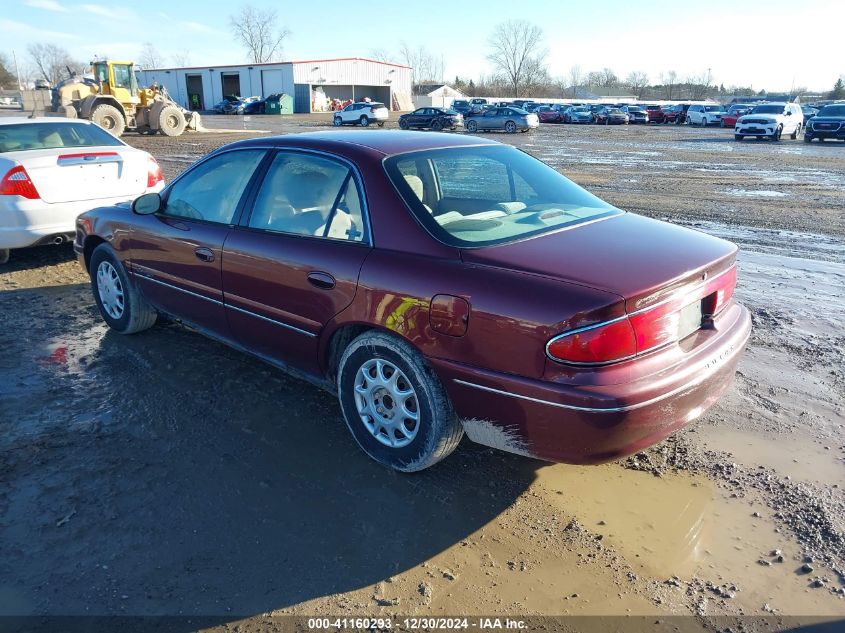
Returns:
(426,623)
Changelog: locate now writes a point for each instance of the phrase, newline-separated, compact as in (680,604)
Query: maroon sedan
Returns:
(438,285)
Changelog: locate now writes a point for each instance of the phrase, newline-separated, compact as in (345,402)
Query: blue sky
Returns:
(624,36)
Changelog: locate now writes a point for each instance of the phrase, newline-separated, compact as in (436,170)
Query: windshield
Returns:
(768,109)
(832,110)
(44,135)
(459,103)
(478,196)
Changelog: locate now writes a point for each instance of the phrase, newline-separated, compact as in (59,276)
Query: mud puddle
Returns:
(684,532)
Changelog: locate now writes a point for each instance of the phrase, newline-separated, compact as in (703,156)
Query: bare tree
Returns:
(608,78)
(576,78)
(8,80)
(257,31)
(517,54)
(53,62)
(181,58)
(150,57)
(380,54)
(425,67)
(637,81)
(669,80)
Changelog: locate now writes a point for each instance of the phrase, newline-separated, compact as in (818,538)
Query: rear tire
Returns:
(795,134)
(4,256)
(109,118)
(406,423)
(365,122)
(510,127)
(171,121)
(122,307)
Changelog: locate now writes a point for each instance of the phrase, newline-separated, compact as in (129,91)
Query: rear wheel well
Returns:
(91,242)
(341,338)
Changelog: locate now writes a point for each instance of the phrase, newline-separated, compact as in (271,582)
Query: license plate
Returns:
(690,320)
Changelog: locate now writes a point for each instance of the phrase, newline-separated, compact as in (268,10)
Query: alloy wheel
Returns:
(387,403)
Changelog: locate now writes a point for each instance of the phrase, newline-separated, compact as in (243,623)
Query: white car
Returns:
(703,115)
(52,169)
(362,113)
(771,120)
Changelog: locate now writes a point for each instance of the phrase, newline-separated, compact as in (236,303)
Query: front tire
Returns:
(738,137)
(171,121)
(4,256)
(472,126)
(436,126)
(807,139)
(394,404)
(337,121)
(109,118)
(777,134)
(122,307)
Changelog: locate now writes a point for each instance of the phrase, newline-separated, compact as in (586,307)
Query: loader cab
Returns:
(117,79)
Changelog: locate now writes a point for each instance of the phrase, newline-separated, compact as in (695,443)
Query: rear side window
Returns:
(48,135)
(304,194)
(212,190)
(478,196)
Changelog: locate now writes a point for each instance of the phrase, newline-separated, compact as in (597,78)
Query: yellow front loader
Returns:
(114,101)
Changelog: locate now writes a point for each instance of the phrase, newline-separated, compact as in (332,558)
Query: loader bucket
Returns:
(194,121)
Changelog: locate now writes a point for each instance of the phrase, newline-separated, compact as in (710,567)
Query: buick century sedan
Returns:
(439,285)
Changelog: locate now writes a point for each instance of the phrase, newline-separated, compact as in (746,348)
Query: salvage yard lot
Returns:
(166,474)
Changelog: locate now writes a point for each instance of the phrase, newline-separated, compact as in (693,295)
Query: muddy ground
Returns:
(165,474)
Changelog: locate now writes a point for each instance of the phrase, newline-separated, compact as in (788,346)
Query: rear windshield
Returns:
(714,109)
(376,104)
(478,196)
(47,135)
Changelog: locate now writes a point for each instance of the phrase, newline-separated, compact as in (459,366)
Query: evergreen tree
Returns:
(838,90)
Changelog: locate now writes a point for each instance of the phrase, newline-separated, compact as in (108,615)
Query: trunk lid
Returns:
(643,260)
(85,173)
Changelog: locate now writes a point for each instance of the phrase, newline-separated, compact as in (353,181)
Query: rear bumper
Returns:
(587,425)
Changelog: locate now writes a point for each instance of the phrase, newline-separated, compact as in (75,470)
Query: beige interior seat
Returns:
(416,185)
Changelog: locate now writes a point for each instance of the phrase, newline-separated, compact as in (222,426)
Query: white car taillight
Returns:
(17,182)
(154,174)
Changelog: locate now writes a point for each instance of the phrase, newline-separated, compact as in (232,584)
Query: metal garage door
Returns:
(271,82)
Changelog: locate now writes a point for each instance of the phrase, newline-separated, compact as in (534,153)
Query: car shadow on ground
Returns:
(38,257)
(165,474)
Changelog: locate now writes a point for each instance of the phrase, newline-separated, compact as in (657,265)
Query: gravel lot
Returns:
(164,474)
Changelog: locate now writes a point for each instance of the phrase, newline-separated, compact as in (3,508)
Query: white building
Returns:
(200,87)
(436,95)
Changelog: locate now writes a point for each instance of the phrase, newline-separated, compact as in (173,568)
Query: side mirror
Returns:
(147,204)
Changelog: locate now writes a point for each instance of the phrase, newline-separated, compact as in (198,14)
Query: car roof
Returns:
(387,142)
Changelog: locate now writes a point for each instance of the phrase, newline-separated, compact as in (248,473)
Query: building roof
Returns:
(293,61)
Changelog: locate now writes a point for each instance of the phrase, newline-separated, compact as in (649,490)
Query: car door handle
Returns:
(204,254)
(321,280)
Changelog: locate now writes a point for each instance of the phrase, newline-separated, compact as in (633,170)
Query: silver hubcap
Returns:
(387,403)
(110,290)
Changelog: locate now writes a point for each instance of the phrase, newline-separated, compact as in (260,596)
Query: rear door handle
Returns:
(204,254)
(321,280)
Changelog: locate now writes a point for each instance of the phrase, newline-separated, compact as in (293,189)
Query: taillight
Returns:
(603,343)
(18,183)
(154,175)
(646,329)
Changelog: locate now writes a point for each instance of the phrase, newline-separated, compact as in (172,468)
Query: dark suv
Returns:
(828,123)
(461,106)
